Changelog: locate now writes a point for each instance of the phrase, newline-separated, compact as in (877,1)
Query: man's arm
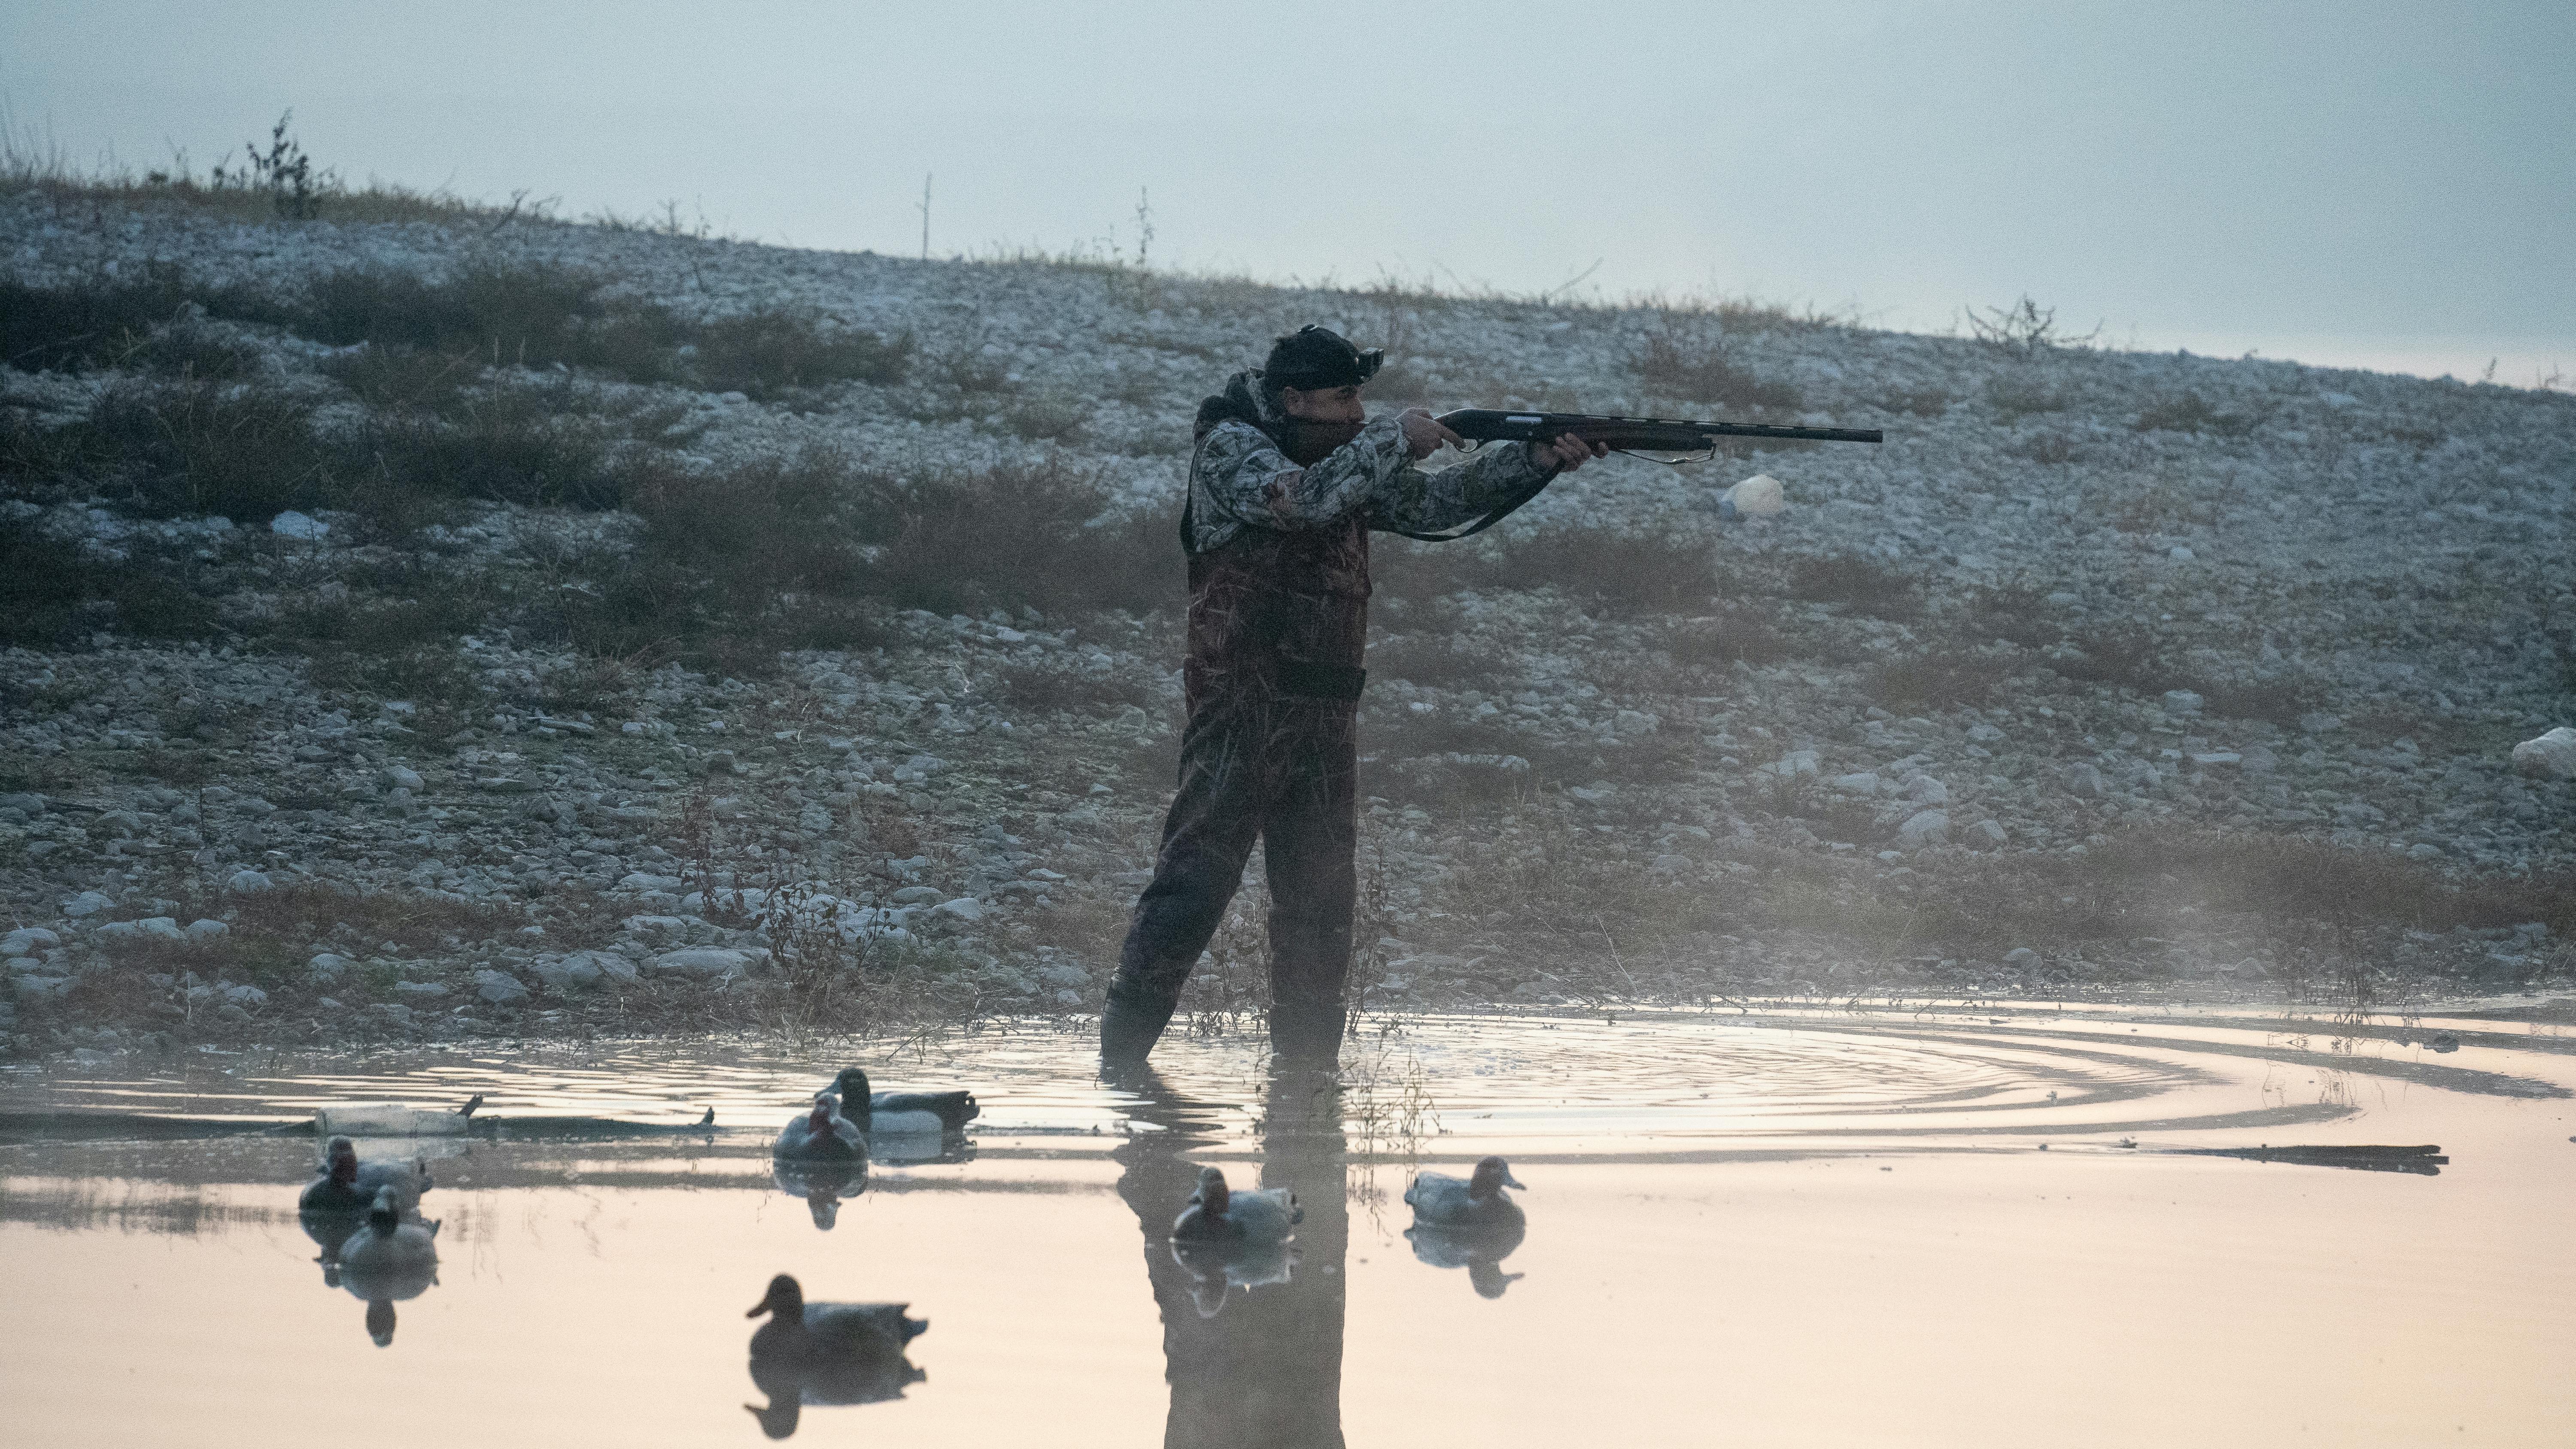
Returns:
(1246,478)
(1498,475)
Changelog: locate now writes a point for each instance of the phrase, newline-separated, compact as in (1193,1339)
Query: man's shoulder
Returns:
(1232,441)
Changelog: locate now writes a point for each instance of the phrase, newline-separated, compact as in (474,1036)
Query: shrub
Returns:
(72,327)
(502,446)
(759,353)
(2187,413)
(195,447)
(2124,658)
(1935,681)
(1863,583)
(1621,573)
(51,597)
(1017,534)
(1672,367)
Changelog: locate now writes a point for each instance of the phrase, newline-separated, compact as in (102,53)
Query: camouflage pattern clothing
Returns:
(1278,620)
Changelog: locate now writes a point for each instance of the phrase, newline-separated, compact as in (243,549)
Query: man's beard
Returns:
(1308,442)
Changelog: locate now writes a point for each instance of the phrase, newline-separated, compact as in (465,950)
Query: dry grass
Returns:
(1936,681)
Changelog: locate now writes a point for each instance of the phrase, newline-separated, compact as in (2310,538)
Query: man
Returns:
(1286,481)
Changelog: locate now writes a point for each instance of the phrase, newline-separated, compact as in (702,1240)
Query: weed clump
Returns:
(1862,583)
(1935,681)
(762,353)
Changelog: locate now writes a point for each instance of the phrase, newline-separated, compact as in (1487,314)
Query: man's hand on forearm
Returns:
(1566,454)
(1423,433)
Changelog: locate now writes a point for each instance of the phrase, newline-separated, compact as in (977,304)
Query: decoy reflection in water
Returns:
(1216,1269)
(1218,1214)
(823,1185)
(347,1185)
(1472,1202)
(822,1135)
(901,1114)
(827,1353)
(387,1261)
(1480,1251)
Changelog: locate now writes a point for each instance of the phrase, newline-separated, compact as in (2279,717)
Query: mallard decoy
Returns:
(1218,1214)
(822,1135)
(899,1113)
(1475,1202)
(347,1185)
(800,1330)
(388,1260)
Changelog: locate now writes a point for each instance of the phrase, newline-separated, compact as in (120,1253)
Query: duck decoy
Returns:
(347,1185)
(1474,1202)
(899,1113)
(819,1331)
(386,1261)
(1218,1214)
(822,1135)
(374,1119)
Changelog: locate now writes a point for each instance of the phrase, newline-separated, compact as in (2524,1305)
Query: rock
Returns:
(2179,554)
(2317,722)
(1794,763)
(403,777)
(915,895)
(582,969)
(87,903)
(1670,864)
(964,908)
(203,930)
(1862,783)
(41,988)
(119,931)
(642,881)
(1065,974)
(27,941)
(248,882)
(1927,790)
(2085,782)
(1922,828)
(326,967)
(499,988)
(2258,761)
(2550,757)
(2182,701)
(292,524)
(2217,757)
(715,963)
(1759,496)
(24,803)
(243,995)
(2021,956)
(422,989)
(2423,851)
(1988,833)
(164,928)
(1985,734)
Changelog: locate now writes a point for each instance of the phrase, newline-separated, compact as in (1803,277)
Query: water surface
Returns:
(1782,1227)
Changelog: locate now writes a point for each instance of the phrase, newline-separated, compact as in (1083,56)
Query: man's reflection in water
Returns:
(1264,1367)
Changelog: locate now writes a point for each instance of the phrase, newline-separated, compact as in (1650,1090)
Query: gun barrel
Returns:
(1673,434)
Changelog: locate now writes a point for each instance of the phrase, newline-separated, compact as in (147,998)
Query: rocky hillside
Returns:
(502,626)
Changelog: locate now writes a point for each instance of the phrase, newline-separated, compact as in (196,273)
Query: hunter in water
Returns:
(1288,477)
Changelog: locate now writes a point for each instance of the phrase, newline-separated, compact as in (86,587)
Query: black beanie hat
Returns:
(1317,357)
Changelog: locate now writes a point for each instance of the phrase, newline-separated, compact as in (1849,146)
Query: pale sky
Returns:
(2357,183)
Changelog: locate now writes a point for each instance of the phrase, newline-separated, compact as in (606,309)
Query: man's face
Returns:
(1323,404)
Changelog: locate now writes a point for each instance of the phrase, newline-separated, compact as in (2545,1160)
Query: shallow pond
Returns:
(1786,1227)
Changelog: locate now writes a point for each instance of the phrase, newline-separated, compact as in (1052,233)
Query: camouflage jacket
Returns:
(1240,479)
(1279,557)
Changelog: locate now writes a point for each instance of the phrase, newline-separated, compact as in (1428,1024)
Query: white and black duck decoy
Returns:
(1474,1202)
(1218,1214)
(386,1261)
(821,1331)
(901,1113)
(373,1119)
(822,1135)
(347,1185)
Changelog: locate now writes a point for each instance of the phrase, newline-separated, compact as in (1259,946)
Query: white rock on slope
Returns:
(2550,757)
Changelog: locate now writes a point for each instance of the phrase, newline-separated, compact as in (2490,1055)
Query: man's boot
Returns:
(1128,1030)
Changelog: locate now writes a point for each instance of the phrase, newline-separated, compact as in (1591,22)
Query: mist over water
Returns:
(1808,1226)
